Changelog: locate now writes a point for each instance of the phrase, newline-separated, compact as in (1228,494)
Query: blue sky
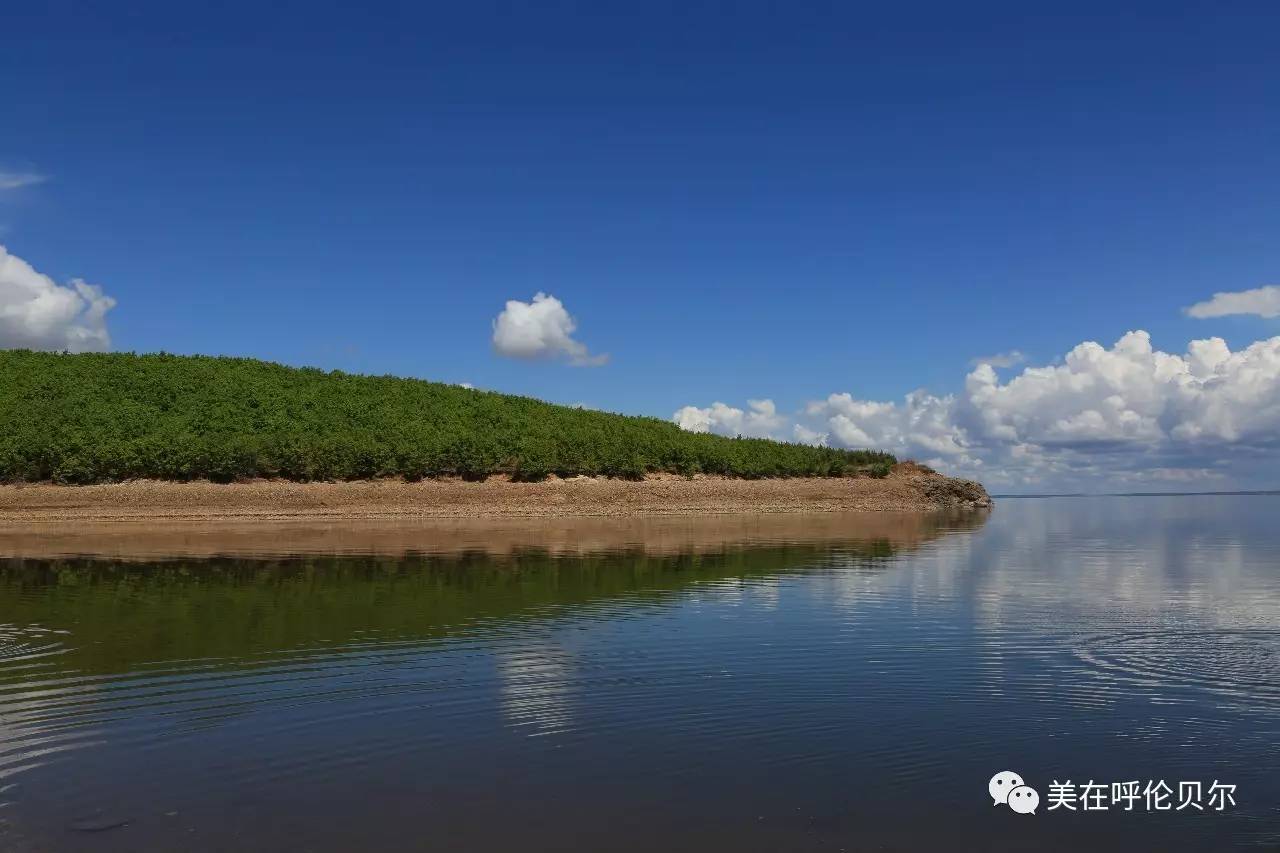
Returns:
(734,201)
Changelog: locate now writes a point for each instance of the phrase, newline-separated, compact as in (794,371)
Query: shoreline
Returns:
(658,536)
(907,489)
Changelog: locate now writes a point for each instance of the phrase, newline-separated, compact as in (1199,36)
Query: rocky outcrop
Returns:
(946,492)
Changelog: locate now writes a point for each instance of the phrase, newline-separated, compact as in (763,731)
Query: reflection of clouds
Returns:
(759,593)
(538,686)
(764,593)
(1087,601)
(854,580)
(546,680)
(1096,562)
(726,592)
(851,583)
(1112,597)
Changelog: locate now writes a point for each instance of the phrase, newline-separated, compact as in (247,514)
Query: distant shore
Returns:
(906,489)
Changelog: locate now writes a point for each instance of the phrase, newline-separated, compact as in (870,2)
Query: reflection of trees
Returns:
(122,615)
(183,644)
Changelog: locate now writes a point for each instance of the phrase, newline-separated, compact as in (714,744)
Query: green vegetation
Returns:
(95,418)
(237,609)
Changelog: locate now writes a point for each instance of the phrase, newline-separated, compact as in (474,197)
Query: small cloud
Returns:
(18,180)
(466,385)
(759,420)
(541,329)
(38,313)
(1012,358)
(1261,302)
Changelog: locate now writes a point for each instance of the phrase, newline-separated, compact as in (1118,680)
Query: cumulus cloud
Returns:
(1012,358)
(1133,393)
(38,313)
(921,425)
(1261,301)
(804,435)
(18,180)
(759,420)
(541,329)
(1127,414)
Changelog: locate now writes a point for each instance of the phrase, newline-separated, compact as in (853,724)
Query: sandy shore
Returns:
(496,537)
(906,490)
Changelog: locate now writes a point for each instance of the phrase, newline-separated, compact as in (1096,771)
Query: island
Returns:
(121,436)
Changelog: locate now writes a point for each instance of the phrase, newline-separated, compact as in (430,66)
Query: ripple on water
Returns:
(19,643)
(1241,664)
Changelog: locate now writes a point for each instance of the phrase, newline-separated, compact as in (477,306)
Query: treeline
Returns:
(94,418)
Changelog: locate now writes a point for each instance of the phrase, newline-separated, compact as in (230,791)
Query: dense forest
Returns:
(94,417)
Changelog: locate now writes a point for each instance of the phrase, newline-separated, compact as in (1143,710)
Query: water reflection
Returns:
(563,537)
(738,683)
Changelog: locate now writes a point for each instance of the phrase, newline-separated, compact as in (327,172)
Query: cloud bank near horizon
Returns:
(38,313)
(541,330)
(1128,414)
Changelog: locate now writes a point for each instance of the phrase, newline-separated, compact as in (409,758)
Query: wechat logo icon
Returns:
(1008,789)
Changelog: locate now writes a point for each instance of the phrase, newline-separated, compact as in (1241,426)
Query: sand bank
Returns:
(907,489)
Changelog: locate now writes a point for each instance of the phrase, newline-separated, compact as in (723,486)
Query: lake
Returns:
(741,684)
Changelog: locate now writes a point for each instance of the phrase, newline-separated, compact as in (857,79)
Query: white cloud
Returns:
(803,435)
(1133,394)
(922,425)
(541,329)
(38,313)
(1012,358)
(1124,414)
(18,180)
(1262,301)
(760,420)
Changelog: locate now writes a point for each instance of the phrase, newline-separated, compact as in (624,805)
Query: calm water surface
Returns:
(853,690)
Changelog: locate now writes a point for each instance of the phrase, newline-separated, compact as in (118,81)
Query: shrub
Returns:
(99,417)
